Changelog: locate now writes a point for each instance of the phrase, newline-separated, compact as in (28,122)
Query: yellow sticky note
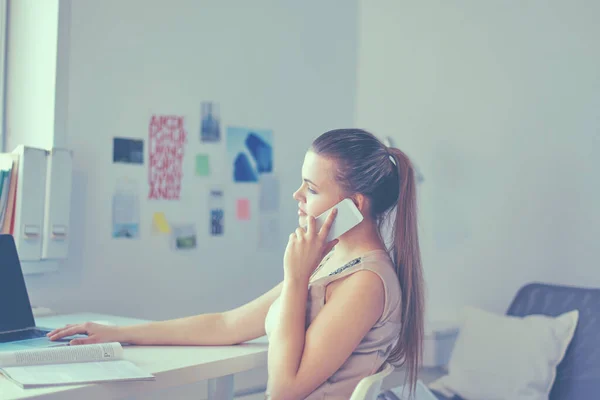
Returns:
(160,224)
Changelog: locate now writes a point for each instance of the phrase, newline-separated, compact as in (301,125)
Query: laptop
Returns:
(17,324)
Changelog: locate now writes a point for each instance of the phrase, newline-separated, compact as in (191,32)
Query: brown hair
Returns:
(387,178)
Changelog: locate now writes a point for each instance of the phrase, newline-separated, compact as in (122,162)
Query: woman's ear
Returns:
(361,202)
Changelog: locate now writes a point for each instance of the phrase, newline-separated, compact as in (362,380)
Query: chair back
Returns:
(578,373)
(369,387)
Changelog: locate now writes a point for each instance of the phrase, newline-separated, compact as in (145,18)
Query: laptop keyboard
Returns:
(22,335)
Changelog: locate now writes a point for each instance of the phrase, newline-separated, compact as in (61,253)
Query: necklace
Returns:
(323,262)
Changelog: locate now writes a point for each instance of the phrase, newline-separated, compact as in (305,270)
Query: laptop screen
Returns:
(15,308)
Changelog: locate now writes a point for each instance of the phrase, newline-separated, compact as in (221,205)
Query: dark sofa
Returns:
(578,374)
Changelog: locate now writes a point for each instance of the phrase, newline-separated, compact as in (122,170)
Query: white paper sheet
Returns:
(68,374)
(269,193)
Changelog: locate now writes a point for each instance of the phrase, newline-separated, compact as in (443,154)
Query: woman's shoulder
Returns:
(380,262)
(374,269)
(362,282)
(375,282)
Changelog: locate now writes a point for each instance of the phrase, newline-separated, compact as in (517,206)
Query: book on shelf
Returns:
(69,365)
(9,163)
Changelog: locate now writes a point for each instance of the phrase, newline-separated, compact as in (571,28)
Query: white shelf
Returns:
(39,267)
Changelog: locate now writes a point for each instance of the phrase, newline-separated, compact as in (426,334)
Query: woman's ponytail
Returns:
(406,255)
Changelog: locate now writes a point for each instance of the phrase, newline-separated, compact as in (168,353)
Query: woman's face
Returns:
(319,190)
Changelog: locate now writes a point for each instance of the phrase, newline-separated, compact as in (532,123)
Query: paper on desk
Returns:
(67,365)
(70,374)
(62,355)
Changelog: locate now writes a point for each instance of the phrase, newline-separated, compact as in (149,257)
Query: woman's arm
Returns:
(299,360)
(204,329)
(231,327)
(235,326)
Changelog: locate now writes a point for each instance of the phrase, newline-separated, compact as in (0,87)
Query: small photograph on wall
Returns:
(128,151)
(127,231)
(217,213)
(210,122)
(250,152)
(183,236)
(216,221)
(126,210)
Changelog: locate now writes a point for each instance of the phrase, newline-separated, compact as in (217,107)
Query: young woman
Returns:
(338,315)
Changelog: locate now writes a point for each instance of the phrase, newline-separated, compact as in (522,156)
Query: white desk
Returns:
(171,365)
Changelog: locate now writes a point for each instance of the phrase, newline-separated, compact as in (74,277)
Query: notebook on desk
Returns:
(69,365)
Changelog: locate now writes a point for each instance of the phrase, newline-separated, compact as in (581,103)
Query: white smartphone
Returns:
(348,216)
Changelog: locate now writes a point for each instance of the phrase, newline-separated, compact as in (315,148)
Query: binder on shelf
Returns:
(8,184)
(55,243)
(29,205)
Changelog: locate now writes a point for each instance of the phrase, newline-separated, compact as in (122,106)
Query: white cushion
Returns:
(506,357)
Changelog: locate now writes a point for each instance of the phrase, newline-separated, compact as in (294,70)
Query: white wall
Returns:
(32,38)
(269,64)
(498,105)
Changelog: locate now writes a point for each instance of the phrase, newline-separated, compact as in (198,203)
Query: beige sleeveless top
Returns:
(377,344)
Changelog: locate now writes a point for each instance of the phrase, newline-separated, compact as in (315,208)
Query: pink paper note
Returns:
(243,209)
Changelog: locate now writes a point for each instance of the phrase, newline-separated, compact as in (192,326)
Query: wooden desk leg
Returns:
(221,388)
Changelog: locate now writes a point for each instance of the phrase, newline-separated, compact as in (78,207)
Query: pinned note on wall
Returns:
(166,148)
(243,209)
(269,193)
(128,151)
(183,237)
(202,165)
(210,125)
(126,209)
(160,223)
(250,153)
(216,204)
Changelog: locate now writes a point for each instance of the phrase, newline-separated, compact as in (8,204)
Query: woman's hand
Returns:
(306,248)
(96,333)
